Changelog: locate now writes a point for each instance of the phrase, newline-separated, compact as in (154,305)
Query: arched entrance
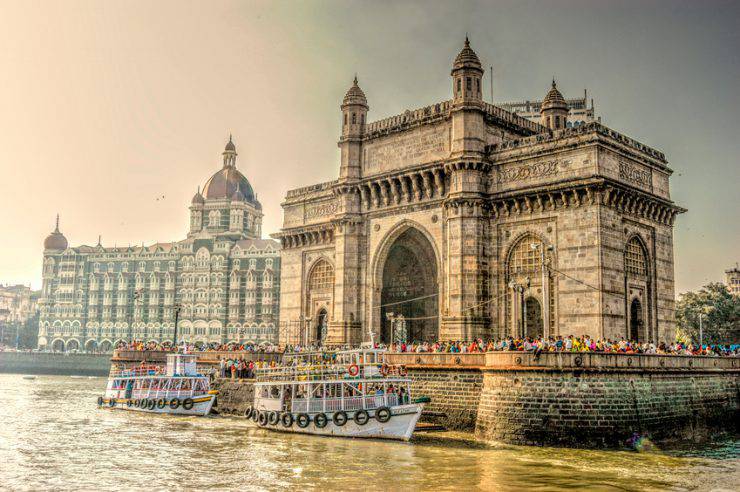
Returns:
(533,321)
(73,345)
(106,346)
(321,326)
(636,321)
(91,346)
(57,345)
(409,289)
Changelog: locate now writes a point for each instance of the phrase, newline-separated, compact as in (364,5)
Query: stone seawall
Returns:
(234,395)
(55,363)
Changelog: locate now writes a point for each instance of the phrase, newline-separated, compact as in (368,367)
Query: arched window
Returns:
(525,257)
(634,258)
(321,277)
(214,218)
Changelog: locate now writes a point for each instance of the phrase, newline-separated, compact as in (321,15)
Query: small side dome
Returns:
(355,96)
(466,58)
(198,199)
(56,240)
(554,99)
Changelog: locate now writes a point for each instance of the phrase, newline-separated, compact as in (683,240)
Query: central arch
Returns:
(409,288)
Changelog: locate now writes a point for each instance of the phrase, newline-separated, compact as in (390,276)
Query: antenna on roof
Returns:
(491,84)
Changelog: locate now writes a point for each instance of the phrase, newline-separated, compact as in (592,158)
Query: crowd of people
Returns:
(238,368)
(566,344)
(569,343)
(140,345)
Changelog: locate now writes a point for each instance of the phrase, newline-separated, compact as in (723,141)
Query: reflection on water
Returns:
(52,435)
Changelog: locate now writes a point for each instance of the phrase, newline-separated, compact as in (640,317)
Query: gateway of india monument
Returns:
(442,218)
(221,284)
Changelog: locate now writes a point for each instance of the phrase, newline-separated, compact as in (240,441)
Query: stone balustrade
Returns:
(566,360)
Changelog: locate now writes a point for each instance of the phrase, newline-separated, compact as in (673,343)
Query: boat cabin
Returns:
(331,395)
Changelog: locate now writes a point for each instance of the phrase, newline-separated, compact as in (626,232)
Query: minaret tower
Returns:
(467,73)
(554,110)
(354,113)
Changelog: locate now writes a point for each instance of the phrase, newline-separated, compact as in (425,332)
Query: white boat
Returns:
(177,389)
(350,394)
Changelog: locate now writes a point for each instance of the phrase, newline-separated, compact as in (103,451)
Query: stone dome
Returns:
(554,99)
(230,145)
(227,183)
(466,58)
(56,240)
(355,96)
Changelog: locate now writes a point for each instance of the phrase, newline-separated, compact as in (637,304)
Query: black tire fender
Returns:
(188,403)
(150,404)
(303,420)
(339,418)
(174,403)
(383,414)
(248,412)
(320,420)
(273,418)
(100,401)
(287,419)
(262,419)
(362,417)
(161,403)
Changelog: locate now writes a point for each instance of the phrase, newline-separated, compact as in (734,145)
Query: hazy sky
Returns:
(106,106)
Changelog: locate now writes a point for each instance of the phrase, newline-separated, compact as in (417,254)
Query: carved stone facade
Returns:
(444,215)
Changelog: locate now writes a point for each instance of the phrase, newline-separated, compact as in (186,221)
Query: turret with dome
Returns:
(56,240)
(227,206)
(554,110)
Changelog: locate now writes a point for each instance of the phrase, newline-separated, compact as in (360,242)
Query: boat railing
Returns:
(138,371)
(351,403)
(327,372)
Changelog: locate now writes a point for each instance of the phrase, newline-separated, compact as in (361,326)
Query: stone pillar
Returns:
(344,326)
(465,316)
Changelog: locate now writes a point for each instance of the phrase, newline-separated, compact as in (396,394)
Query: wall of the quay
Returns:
(234,396)
(569,399)
(63,364)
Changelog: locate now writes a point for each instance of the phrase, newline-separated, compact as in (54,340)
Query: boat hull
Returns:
(400,426)
(201,406)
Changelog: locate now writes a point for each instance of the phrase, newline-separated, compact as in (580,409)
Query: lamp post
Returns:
(520,289)
(389,316)
(705,311)
(177,308)
(545,286)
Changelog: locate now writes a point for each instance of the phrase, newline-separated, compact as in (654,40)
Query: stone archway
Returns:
(106,346)
(636,320)
(91,346)
(72,344)
(57,345)
(533,326)
(410,288)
